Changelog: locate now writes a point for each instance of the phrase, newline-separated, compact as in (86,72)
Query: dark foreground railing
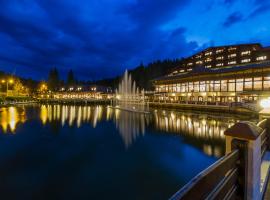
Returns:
(237,175)
(219,181)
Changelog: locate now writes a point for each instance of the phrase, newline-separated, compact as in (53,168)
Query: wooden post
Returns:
(250,133)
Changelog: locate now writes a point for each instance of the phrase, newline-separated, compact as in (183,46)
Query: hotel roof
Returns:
(201,70)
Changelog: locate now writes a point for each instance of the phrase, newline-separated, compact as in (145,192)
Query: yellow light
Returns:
(265,103)
(3,81)
(173,94)
(11,81)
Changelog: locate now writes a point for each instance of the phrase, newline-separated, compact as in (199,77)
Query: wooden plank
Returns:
(225,185)
(263,124)
(200,186)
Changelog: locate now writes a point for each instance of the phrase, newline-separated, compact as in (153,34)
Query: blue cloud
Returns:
(100,38)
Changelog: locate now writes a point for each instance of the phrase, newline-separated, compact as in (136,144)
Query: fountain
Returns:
(129,97)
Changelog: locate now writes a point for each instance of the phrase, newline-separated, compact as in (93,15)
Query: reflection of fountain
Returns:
(128,96)
(130,125)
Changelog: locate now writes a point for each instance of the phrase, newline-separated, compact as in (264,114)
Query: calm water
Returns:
(77,152)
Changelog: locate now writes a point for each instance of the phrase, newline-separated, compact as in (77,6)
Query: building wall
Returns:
(223,56)
(248,88)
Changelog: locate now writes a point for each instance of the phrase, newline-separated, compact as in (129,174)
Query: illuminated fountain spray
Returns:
(129,97)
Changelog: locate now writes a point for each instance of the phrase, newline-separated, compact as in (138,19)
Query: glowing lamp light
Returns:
(265,103)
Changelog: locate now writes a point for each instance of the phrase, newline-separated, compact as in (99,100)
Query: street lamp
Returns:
(10,81)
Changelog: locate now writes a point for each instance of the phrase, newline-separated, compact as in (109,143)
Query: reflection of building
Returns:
(246,79)
(10,117)
(201,130)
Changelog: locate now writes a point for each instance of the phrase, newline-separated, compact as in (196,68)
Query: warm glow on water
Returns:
(74,148)
(10,117)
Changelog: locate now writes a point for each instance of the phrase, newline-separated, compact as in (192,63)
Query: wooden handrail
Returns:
(215,181)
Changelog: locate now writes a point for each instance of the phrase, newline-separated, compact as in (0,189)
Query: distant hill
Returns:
(144,74)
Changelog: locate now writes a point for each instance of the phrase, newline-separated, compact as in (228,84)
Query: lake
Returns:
(97,152)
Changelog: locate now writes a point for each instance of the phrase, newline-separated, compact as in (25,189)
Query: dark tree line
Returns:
(143,75)
(54,81)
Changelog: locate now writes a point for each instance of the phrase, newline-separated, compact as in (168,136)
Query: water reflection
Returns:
(207,129)
(10,117)
(201,130)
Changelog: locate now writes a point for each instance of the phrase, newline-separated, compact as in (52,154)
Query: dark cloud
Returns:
(95,38)
(233,19)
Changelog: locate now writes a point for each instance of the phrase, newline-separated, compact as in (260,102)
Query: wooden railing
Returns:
(219,181)
(237,175)
(264,136)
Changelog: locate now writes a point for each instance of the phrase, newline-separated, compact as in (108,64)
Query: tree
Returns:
(53,79)
(70,78)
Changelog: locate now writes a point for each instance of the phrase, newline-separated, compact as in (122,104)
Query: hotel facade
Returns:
(238,73)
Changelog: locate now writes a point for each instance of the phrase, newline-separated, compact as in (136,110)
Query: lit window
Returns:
(231,85)
(219,51)
(232,55)
(232,49)
(220,64)
(182,70)
(245,60)
(189,69)
(220,58)
(189,64)
(232,62)
(198,56)
(199,62)
(261,58)
(239,85)
(208,60)
(245,53)
(257,83)
(208,66)
(208,53)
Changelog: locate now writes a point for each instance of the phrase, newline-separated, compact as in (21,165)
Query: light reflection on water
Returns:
(10,117)
(201,130)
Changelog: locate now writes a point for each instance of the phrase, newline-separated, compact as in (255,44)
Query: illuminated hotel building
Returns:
(219,74)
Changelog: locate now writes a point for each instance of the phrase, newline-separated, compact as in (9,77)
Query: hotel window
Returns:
(196,87)
(239,85)
(182,70)
(219,64)
(208,66)
(183,87)
(202,86)
(166,88)
(199,62)
(208,60)
(190,87)
(208,53)
(174,88)
(189,64)
(243,53)
(217,86)
(220,58)
(266,83)
(232,62)
(178,88)
(261,58)
(245,60)
(232,49)
(232,55)
(248,83)
(210,86)
(198,56)
(231,85)
(189,69)
(224,86)
(257,83)
(219,51)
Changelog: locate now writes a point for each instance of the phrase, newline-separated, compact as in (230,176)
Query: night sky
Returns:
(100,38)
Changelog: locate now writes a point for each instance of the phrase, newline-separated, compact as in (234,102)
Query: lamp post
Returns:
(11,81)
